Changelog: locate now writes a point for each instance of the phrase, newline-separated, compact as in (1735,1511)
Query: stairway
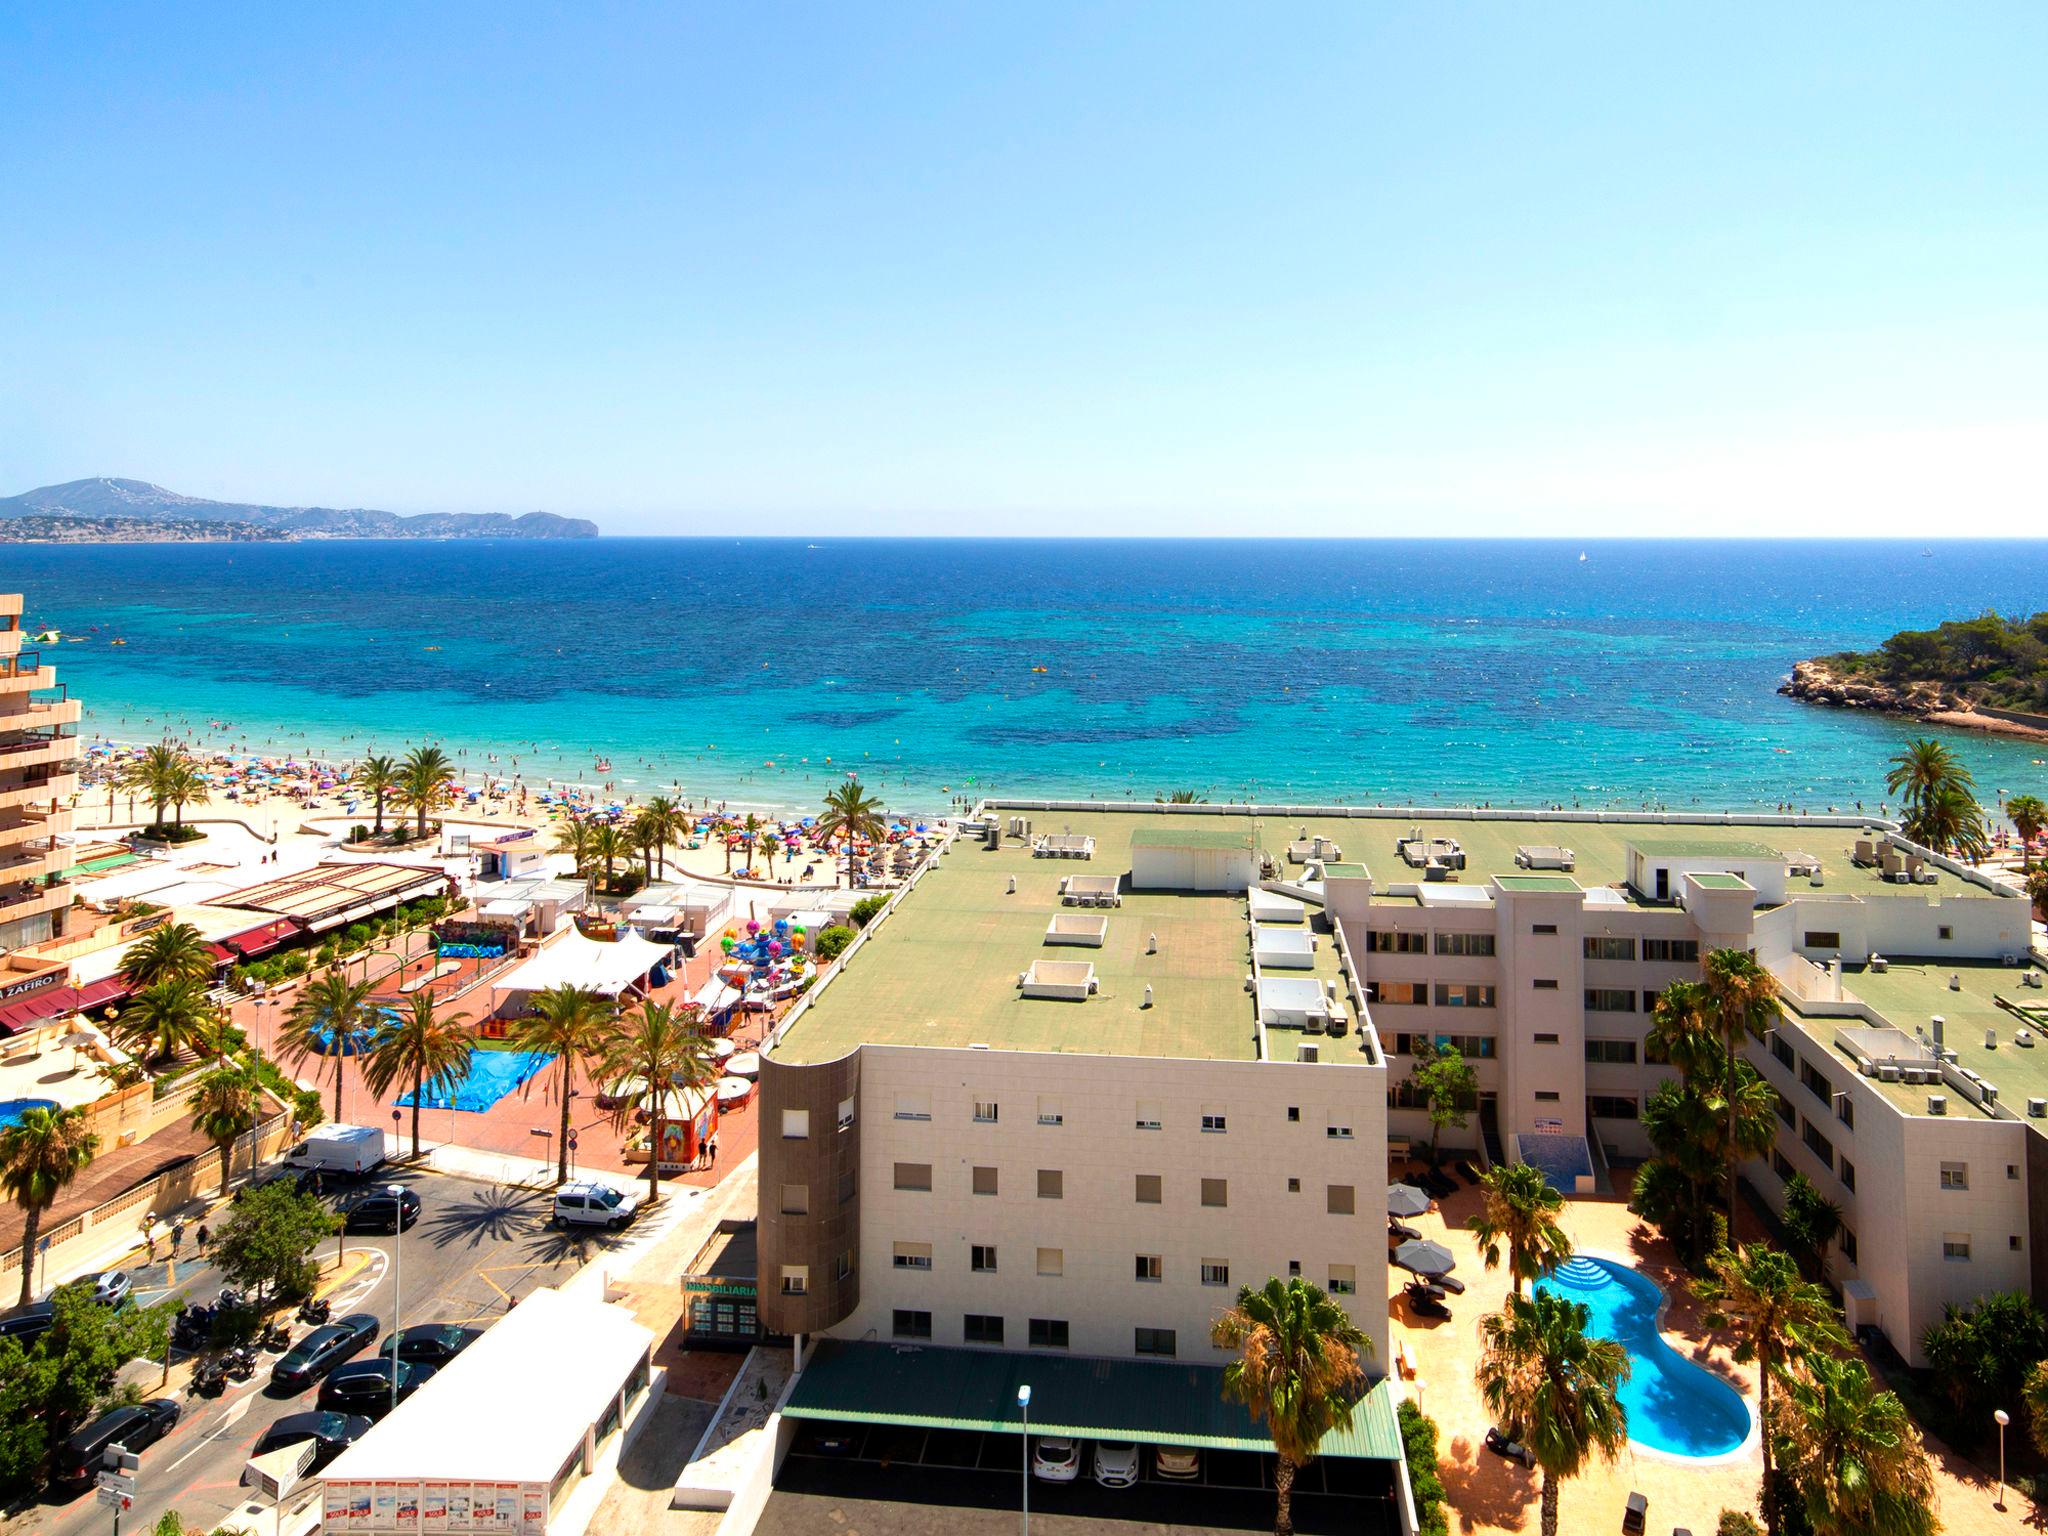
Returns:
(1582,1274)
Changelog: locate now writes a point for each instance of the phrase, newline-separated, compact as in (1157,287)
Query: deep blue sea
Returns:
(762,670)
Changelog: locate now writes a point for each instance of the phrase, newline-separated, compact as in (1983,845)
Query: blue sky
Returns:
(1355,269)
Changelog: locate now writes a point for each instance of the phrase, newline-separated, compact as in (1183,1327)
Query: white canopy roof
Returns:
(507,908)
(715,994)
(570,959)
(481,1418)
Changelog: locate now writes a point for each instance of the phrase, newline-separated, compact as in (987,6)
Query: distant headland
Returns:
(111,511)
(1989,673)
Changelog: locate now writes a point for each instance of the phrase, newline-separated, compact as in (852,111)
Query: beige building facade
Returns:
(38,774)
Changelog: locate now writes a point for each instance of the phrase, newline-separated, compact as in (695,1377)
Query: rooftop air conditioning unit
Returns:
(2037,1109)
(1887,1072)
(1308,1050)
(1990,1093)
(2024,1039)
(1937,1103)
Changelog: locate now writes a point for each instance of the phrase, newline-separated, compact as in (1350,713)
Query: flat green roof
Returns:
(1713,880)
(1559,883)
(1347,872)
(1082,1397)
(1168,834)
(1708,847)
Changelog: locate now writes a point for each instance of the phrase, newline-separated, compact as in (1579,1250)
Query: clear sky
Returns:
(1184,268)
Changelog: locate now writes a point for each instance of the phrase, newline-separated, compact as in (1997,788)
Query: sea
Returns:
(762,671)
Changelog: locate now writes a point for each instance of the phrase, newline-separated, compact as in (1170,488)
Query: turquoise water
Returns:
(762,670)
(1673,1405)
(491,1075)
(13,1109)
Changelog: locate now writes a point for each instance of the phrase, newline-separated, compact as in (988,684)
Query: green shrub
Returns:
(1738,1522)
(831,942)
(865,909)
(1418,1442)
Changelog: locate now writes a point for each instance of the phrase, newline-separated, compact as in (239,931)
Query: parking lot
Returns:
(900,1481)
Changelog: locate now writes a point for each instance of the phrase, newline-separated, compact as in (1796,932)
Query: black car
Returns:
(322,1350)
(365,1386)
(332,1433)
(391,1209)
(80,1459)
(27,1324)
(432,1344)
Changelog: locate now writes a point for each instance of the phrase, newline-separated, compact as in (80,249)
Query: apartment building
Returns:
(38,773)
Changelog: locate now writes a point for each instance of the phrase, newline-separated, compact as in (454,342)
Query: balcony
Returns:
(56,899)
(36,826)
(33,860)
(37,716)
(18,675)
(18,756)
(37,789)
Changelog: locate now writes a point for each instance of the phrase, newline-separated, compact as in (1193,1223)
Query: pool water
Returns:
(13,1109)
(491,1075)
(1673,1405)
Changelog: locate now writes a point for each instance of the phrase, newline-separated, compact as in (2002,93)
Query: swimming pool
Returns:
(1673,1405)
(491,1075)
(13,1109)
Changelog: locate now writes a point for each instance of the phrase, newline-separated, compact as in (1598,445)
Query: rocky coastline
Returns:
(1819,681)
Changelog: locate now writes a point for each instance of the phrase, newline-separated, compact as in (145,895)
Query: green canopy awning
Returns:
(1155,1402)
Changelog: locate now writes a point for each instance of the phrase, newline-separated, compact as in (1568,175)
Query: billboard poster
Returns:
(358,1505)
(384,1511)
(408,1506)
(434,1508)
(483,1507)
(334,1515)
(535,1503)
(508,1507)
(458,1506)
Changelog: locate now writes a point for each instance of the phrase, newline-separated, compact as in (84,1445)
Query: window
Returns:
(1294,1269)
(980,1328)
(1148,1189)
(1294,1114)
(796,1124)
(1781,1051)
(1153,1341)
(1780,1165)
(846,1114)
(1544,984)
(1848,1242)
(1477,945)
(796,1199)
(1546,1039)
(1602,948)
(1148,1115)
(1955,1175)
(984,1181)
(1047,1332)
(914,1176)
(1338,1125)
(1052,1184)
(1818,1144)
(1822,938)
(1815,1082)
(1214,1119)
(796,1279)
(981,1258)
(1215,1272)
(1610,1000)
(1343,1280)
(2012,1170)
(1402,993)
(1294,1186)
(842,1267)
(911,1325)
(1546,1096)
(1610,1106)
(1955,1246)
(986,1111)
(846,1178)
(1671,949)
(1848,1174)
(1052,1261)
(1049,1112)
(1148,1267)
(1945,932)
(1471,1047)
(1216,1192)
(1613,1053)
(913,1106)
(1463,994)
(2013,1243)
(1388,941)
(1339,1200)
(1845,1111)
(912,1256)
(1542,929)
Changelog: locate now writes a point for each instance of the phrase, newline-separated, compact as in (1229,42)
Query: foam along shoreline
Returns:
(1815,682)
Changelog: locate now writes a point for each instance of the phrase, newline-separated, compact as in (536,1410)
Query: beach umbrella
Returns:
(1420,1256)
(1406,1200)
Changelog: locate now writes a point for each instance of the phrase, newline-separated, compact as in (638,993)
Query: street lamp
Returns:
(2003,1419)
(1024,1407)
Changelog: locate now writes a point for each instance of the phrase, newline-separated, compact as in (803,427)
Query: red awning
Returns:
(261,940)
(51,1003)
(222,955)
(97,994)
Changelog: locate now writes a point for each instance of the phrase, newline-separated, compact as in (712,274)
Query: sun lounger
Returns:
(1501,1445)
(1636,1515)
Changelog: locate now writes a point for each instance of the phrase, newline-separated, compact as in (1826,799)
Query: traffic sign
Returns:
(114,1498)
(115,1459)
(116,1482)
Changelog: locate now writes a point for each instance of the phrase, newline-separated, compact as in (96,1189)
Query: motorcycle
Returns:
(239,1363)
(315,1312)
(208,1380)
(275,1339)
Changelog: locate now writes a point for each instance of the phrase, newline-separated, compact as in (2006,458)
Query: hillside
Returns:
(138,502)
(54,528)
(1961,667)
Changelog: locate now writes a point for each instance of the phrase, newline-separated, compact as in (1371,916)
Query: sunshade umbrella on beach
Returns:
(1406,1200)
(1420,1256)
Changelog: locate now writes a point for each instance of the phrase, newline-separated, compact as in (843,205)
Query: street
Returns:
(476,1248)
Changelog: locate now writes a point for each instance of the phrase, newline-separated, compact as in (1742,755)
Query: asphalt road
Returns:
(475,1250)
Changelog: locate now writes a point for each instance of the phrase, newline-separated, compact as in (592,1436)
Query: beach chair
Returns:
(1892,865)
(1636,1515)
(1865,855)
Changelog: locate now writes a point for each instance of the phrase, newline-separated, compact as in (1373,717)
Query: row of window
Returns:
(1147,1188)
(1215,1118)
(1601,947)
(1388,941)
(1417,994)
(1040,1332)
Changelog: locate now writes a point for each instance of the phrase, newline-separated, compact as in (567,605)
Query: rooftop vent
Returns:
(1308,1050)
(1937,1103)
(1990,1093)
(2037,1109)
(1991,1039)
(2024,1039)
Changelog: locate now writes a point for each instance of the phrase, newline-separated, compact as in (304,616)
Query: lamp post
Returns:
(2003,1419)
(1024,1406)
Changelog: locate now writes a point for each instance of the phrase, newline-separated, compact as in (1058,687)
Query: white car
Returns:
(1116,1463)
(1056,1459)
(1177,1463)
(589,1204)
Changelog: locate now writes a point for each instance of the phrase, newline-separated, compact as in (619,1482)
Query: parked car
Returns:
(1056,1459)
(364,1386)
(79,1460)
(322,1350)
(1116,1463)
(1177,1463)
(344,1150)
(27,1324)
(589,1204)
(332,1433)
(390,1209)
(110,1287)
(432,1344)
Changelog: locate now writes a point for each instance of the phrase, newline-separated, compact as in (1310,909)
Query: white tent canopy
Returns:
(570,959)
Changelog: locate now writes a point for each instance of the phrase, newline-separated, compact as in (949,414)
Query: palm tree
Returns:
(185,785)
(1540,1369)
(376,777)
(331,1011)
(607,846)
(852,813)
(670,823)
(423,781)
(38,1157)
(646,838)
(1938,799)
(2028,815)
(1297,1369)
(173,952)
(753,826)
(1181,797)
(2037,888)
(418,1047)
(154,774)
(1778,1317)
(1921,769)
(770,846)
(224,1108)
(1521,1212)
(572,1023)
(168,1016)
(659,1051)
(1953,821)
(1852,1454)
(2035,1394)
(1680,1030)
(1741,1001)
(573,838)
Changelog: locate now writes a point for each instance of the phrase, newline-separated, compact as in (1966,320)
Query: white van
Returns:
(594,1205)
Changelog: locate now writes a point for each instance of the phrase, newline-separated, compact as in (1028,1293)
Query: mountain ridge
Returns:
(111,497)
